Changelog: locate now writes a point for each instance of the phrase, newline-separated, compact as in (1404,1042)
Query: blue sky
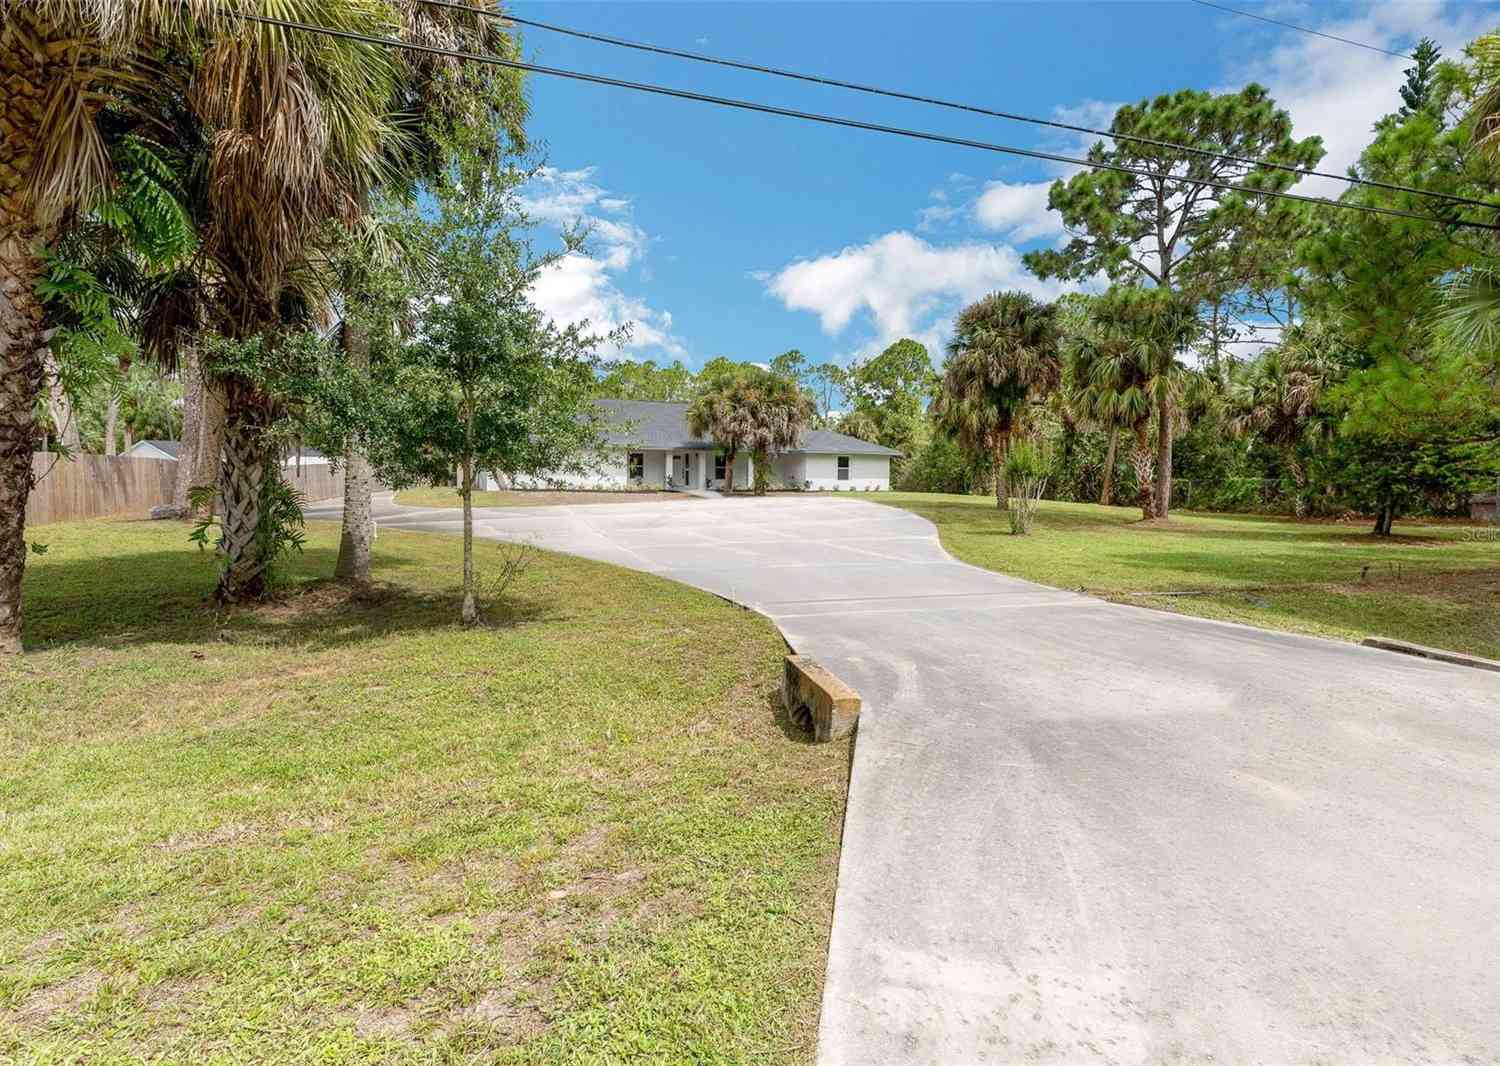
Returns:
(718,232)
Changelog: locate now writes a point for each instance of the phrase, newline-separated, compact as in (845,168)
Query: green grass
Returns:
(446,497)
(1433,583)
(345,830)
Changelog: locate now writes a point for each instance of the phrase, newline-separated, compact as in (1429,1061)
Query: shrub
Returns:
(1028,464)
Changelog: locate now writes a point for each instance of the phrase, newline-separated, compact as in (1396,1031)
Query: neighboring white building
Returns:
(169,449)
(650,446)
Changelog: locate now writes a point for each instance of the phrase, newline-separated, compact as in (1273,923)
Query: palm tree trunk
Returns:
(1002,487)
(1140,459)
(1164,419)
(729,457)
(21,378)
(359,530)
(1299,482)
(211,421)
(242,485)
(24,57)
(1107,491)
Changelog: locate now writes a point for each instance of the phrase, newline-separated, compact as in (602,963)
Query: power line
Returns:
(1304,29)
(820,79)
(849,123)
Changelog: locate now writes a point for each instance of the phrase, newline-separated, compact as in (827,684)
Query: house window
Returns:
(719,467)
(636,466)
(843,468)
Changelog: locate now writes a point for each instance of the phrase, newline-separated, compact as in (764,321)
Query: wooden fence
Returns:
(98,486)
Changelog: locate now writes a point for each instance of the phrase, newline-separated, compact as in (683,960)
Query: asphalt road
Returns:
(1087,833)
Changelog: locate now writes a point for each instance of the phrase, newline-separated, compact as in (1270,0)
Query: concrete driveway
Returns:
(1080,832)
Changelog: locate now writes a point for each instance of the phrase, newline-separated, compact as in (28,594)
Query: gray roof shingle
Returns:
(659,425)
(171,447)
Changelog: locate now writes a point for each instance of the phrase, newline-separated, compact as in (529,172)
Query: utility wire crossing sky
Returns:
(819,79)
(850,123)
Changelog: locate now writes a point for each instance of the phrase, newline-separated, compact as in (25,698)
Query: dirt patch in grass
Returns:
(67,996)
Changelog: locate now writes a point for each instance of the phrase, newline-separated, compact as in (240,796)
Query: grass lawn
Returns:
(342,830)
(446,497)
(1436,584)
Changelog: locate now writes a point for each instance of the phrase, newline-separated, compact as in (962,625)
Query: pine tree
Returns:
(1416,94)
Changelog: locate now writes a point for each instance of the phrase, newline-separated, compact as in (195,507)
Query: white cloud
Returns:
(1019,210)
(935,215)
(580,287)
(586,284)
(1338,91)
(906,286)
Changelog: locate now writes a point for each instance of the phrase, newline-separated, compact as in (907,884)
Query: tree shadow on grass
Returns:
(168,599)
(1221,570)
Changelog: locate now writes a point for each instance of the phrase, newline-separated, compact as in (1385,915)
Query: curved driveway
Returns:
(1086,833)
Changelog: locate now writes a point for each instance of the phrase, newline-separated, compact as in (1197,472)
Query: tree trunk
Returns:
(111,425)
(192,415)
(30,56)
(242,486)
(1002,487)
(471,607)
(1299,483)
(359,529)
(1107,491)
(21,377)
(1164,420)
(210,446)
(1140,459)
(729,458)
(129,435)
(64,417)
(1384,519)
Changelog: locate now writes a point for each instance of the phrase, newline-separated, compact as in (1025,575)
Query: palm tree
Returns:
(754,411)
(1278,401)
(1123,363)
(60,61)
(281,132)
(861,426)
(1085,405)
(1003,357)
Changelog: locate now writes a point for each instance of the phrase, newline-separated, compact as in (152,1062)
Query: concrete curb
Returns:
(817,700)
(1474,662)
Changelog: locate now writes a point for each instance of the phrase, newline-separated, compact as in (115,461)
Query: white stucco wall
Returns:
(609,475)
(867,473)
(819,472)
(788,471)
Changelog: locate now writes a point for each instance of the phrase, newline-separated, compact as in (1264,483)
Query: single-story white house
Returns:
(169,449)
(650,446)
